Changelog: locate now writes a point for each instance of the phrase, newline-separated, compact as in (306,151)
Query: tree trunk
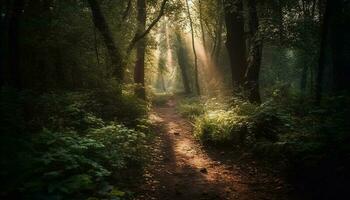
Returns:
(113,51)
(280,22)
(339,30)
(303,80)
(4,12)
(139,71)
(218,33)
(96,46)
(182,60)
(201,24)
(13,43)
(235,42)
(162,82)
(334,29)
(253,69)
(194,50)
(323,53)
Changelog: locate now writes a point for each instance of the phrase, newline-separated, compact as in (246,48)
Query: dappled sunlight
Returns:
(167,71)
(209,71)
(189,167)
(170,61)
(211,80)
(174,100)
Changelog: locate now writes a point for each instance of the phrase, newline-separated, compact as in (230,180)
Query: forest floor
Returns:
(182,168)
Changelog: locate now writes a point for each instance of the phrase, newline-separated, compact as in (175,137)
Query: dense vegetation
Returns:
(78,79)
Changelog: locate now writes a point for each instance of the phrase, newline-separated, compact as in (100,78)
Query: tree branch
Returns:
(127,10)
(138,37)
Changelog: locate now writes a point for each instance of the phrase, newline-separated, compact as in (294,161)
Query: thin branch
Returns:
(127,10)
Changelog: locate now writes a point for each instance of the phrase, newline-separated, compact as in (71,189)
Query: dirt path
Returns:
(184,170)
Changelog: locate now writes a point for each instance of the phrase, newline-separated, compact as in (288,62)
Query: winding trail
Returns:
(182,169)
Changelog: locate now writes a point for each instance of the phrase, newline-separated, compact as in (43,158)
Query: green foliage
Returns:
(310,142)
(65,147)
(190,107)
(66,164)
(122,146)
(160,99)
(239,123)
(64,111)
(124,108)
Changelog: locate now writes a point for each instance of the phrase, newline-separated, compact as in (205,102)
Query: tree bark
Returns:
(323,53)
(253,69)
(303,80)
(194,50)
(235,42)
(13,43)
(182,60)
(139,71)
(96,46)
(280,22)
(202,26)
(113,51)
(139,36)
(218,34)
(338,31)
(334,29)
(4,14)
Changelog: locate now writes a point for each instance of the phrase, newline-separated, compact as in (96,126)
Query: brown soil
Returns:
(183,169)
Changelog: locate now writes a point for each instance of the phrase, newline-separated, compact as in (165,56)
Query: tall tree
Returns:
(340,42)
(201,24)
(194,50)
(235,41)
(333,44)
(4,10)
(13,43)
(218,32)
(139,70)
(253,69)
(113,50)
(182,60)
(139,36)
(140,40)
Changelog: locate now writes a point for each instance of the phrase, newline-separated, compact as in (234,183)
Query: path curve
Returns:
(182,169)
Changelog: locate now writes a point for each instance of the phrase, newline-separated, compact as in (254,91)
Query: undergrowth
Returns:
(72,145)
(310,142)
(190,107)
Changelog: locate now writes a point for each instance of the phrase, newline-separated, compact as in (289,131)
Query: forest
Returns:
(174,99)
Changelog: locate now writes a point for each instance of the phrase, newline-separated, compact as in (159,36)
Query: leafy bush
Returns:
(64,112)
(239,123)
(65,164)
(62,145)
(123,147)
(310,142)
(110,106)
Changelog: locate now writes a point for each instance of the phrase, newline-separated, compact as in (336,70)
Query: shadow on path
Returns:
(181,169)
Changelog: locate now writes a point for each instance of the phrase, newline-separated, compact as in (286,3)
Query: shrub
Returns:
(63,145)
(110,106)
(64,164)
(123,147)
(67,111)
(240,123)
